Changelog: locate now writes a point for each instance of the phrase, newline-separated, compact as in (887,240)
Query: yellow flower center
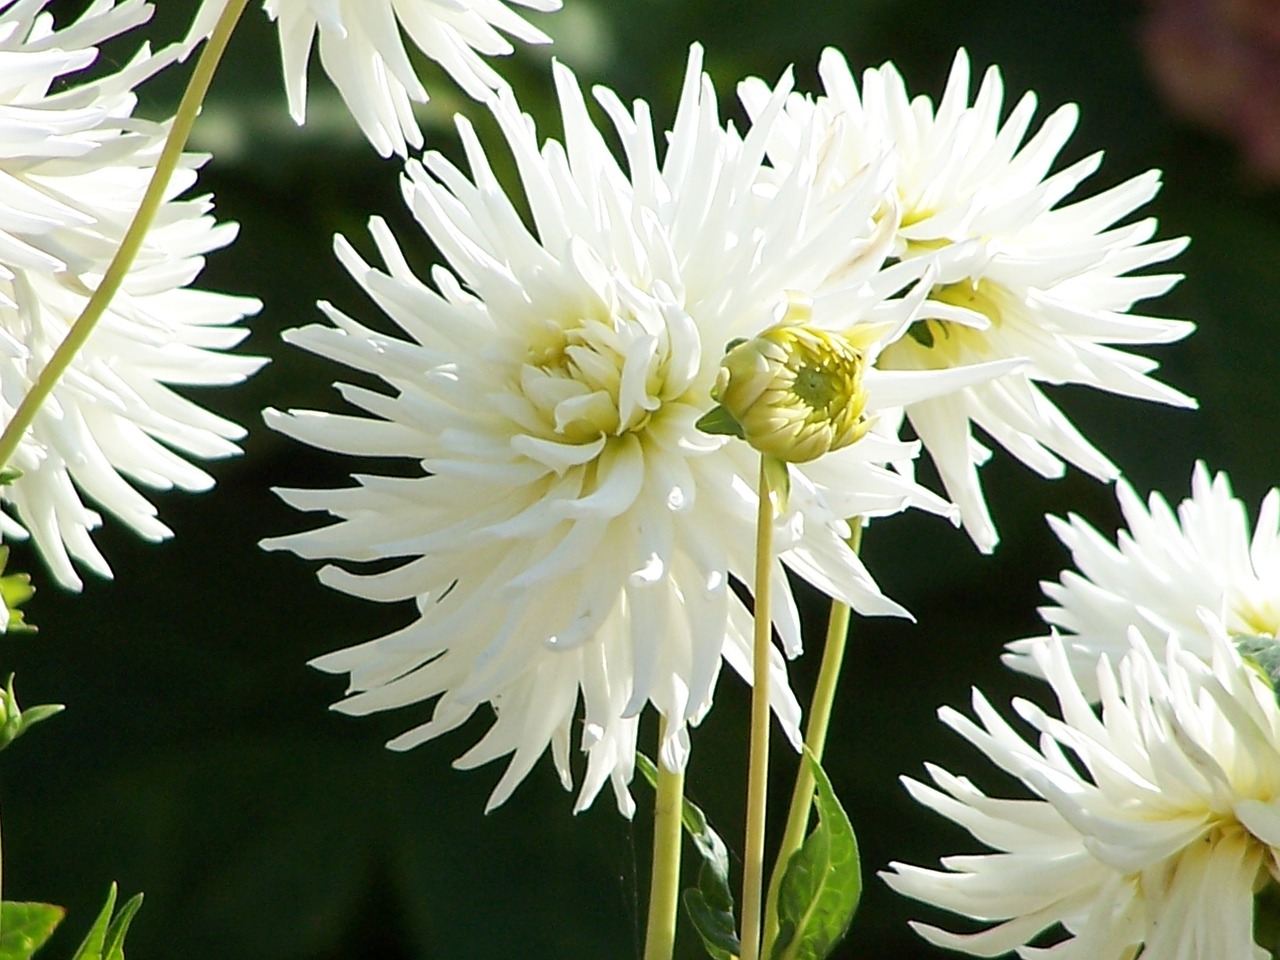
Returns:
(595,377)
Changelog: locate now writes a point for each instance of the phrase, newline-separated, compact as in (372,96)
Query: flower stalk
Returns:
(758,762)
(153,198)
(664,886)
(815,738)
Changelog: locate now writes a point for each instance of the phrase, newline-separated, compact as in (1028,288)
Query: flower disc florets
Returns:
(795,391)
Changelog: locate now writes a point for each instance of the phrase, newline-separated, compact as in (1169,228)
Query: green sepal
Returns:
(720,422)
(921,333)
(709,904)
(14,721)
(15,590)
(823,881)
(778,476)
(24,927)
(105,940)
(1266,918)
(1263,653)
(8,475)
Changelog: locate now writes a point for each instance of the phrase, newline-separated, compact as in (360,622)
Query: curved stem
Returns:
(664,887)
(134,237)
(758,764)
(815,738)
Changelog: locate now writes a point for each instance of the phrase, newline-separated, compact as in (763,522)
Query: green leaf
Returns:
(14,721)
(715,926)
(105,940)
(1263,653)
(720,422)
(24,927)
(823,882)
(710,903)
(1266,919)
(8,475)
(15,590)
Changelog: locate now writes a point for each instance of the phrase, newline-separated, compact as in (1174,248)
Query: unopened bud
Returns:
(794,392)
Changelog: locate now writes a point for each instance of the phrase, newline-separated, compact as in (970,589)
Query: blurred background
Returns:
(197,760)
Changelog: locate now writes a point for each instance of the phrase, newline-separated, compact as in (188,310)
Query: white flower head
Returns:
(362,50)
(74,163)
(1152,824)
(1167,575)
(1022,270)
(577,534)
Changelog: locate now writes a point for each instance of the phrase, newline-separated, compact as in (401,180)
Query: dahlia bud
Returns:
(794,393)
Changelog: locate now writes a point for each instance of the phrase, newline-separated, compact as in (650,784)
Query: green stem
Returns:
(758,763)
(664,888)
(815,738)
(134,237)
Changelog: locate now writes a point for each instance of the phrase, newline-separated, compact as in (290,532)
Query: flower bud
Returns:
(795,392)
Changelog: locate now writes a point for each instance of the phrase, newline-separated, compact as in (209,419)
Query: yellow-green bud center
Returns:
(795,391)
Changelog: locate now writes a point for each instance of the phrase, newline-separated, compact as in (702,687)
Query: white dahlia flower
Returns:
(1163,574)
(1151,826)
(363,53)
(576,534)
(74,163)
(1022,271)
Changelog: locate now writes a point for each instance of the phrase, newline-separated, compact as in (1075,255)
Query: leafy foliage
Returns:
(14,721)
(15,590)
(24,927)
(823,883)
(710,903)
(105,940)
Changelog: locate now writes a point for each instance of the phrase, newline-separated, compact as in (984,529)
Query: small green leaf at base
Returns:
(710,903)
(823,882)
(105,940)
(24,927)
(719,422)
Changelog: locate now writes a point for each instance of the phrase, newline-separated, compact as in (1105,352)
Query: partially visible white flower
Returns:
(1162,574)
(1022,272)
(363,52)
(74,163)
(577,535)
(1152,826)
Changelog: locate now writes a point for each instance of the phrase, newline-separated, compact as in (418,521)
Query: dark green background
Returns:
(197,760)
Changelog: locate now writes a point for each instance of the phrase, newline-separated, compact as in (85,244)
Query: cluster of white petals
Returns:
(363,53)
(1022,270)
(576,535)
(1151,827)
(1162,573)
(74,163)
